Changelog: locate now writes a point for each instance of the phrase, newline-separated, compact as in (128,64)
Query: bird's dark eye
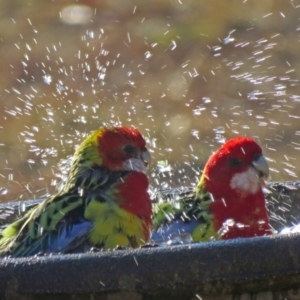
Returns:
(235,162)
(256,156)
(129,149)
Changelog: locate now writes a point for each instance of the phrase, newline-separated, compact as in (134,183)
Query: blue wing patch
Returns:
(165,231)
(69,237)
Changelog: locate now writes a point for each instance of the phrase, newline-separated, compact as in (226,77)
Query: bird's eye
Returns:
(256,156)
(129,149)
(235,162)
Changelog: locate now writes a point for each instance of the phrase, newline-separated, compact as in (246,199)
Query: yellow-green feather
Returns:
(191,206)
(85,155)
(113,225)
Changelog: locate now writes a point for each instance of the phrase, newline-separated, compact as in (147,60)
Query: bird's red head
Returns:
(236,168)
(117,148)
(123,148)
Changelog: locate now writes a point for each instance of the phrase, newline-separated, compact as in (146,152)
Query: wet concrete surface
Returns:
(207,269)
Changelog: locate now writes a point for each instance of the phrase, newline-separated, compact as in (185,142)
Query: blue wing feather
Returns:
(164,232)
(69,237)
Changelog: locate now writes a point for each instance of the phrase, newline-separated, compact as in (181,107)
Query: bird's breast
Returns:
(113,226)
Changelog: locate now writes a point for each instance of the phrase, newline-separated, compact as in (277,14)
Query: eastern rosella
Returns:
(104,202)
(228,201)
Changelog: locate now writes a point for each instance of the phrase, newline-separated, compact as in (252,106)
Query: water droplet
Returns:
(179,238)
(90,34)
(228,40)
(254,95)
(219,130)
(216,48)
(206,100)
(60,88)
(22,207)
(47,79)
(195,133)
(148,54)
(80,93)
(197,111)
(173,45)
(3,191)
(30,141)
(163,166)
(226,226)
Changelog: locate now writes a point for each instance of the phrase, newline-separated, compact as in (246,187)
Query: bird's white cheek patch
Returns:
(246,182)
(134,164)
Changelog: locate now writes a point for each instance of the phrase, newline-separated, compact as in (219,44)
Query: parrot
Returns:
(104,202)
(227,202)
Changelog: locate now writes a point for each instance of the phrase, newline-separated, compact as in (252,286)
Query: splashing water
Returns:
(188,87)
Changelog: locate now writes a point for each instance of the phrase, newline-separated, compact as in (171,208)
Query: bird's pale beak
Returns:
(146,156)
(262,167)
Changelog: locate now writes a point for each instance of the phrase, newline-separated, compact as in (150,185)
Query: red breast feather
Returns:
(133,197)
